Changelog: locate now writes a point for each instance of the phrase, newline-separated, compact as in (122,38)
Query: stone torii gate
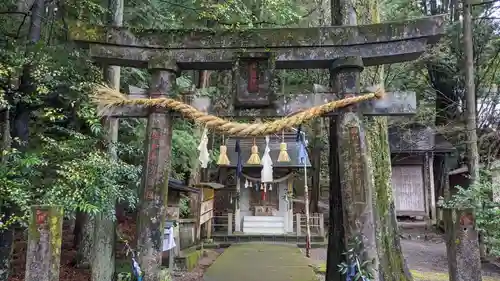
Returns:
(253,55)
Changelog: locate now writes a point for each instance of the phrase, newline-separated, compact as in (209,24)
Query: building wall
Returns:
(278,194)
(408,189)
(413,185)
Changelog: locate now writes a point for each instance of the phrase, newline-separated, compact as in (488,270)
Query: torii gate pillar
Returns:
(351,208)
(152,212)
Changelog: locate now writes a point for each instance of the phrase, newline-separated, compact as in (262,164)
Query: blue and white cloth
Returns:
(169,239)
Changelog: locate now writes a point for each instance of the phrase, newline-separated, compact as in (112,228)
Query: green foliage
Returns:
(71,173)
(487,211)
(194,14)
(58,166)
(16,176)
(184,208)
(184,148)
(354,258)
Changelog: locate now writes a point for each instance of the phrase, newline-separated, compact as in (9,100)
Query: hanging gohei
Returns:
(266,175)
(203,149)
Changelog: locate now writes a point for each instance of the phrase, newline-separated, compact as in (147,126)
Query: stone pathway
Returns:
(257,262)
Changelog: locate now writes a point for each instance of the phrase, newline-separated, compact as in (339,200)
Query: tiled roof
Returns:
(417,138)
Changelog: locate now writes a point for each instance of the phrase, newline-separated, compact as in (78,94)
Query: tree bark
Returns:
(462,245)
(103,258)
(6,241)
(316,165)
(470,96)
(5,134)
(392,264)
(83,239)
(470,101)
(336,233)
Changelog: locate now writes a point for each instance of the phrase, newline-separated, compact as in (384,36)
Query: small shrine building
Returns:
(262,208)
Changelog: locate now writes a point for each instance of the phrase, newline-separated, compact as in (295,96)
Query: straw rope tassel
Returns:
(223,159)
(254,158)
(283,156)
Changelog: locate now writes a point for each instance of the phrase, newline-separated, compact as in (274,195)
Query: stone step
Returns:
(263,230)
(263,218)
(265,224)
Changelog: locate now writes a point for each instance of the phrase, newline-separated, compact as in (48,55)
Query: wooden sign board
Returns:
(206,211)
(206,217)
(253,81)
(208,194)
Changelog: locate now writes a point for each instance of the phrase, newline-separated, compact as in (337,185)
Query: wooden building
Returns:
(413,149)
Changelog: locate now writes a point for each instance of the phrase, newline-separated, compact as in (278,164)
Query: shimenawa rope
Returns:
(107,97)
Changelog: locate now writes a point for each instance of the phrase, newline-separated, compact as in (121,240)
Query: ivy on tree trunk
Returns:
(392,265)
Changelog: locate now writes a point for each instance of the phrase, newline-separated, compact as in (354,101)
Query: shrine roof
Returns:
(178,185)
(274,145)
(212,185)
(417,138)
(409,139)
(313,47)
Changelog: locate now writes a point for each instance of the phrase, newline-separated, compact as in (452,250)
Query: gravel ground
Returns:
(429,256)
(422,256)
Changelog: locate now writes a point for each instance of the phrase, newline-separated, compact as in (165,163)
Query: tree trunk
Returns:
(6,241)
(336,232)
(5,134)
(103,258)
(316,165)
(392,265)
(84,239)
(470,114)
(470,97)
(6,235)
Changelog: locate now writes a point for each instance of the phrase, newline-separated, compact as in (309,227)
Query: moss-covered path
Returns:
(257,262)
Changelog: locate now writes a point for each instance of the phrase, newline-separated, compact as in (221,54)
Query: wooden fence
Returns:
(224,224)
